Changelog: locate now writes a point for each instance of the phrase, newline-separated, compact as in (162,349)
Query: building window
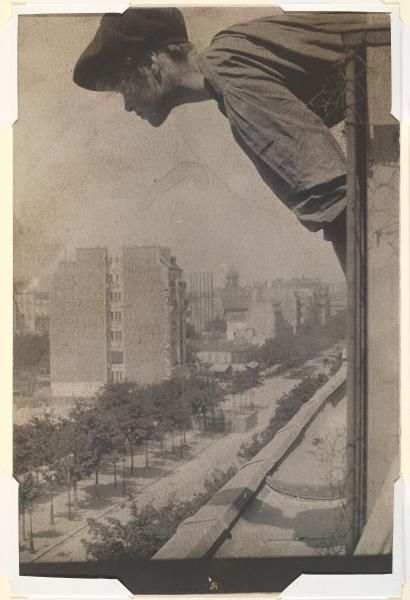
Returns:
(117,358)
(117,376)
(115,296)
(115,315)
(116,336)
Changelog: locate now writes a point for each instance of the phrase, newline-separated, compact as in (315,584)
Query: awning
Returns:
(239,368)
(219,368)
(252,365)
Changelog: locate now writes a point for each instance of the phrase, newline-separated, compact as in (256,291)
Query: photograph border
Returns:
(340,586)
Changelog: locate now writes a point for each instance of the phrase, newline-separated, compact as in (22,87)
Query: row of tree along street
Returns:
(51,455)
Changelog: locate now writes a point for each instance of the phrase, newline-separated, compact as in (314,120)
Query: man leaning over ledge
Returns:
(274,78)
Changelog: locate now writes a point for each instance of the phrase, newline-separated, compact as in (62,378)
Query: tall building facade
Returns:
(200,312)
(116,318)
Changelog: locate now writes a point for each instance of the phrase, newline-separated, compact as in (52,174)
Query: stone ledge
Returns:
(198,535)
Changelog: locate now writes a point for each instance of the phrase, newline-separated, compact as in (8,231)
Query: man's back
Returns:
(303,51)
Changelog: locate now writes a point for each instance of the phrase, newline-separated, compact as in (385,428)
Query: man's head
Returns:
(142,54)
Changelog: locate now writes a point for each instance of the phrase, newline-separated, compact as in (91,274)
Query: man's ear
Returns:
(150,61)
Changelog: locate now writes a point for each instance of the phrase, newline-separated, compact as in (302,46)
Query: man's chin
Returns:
(156,119)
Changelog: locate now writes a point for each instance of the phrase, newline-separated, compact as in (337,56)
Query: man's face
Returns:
(146,93)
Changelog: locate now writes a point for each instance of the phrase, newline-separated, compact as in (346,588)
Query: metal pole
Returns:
(212,296)
(132,459)
(208,298)
(146,453)
(51,509)
(124,487)
(200,300)
(194,304)
(31,548)
(69,500)
(23,510)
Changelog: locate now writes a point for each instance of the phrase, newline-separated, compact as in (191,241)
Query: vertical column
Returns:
(212,296)
(356,137)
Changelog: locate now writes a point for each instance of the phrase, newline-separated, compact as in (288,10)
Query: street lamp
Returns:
(146,452)
(69,499)
(115,471)
(23,520)
(69,461)
(30,514)
(51,509)
(129,449)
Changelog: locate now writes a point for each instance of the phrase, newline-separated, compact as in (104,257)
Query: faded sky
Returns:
(88,173)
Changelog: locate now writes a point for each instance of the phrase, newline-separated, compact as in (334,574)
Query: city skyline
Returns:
(42,280)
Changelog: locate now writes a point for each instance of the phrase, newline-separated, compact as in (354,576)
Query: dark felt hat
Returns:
(121,36)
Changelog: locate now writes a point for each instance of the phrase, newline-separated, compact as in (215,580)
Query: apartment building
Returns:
(116,318)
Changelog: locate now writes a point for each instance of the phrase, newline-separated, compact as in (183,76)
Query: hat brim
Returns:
(97,68)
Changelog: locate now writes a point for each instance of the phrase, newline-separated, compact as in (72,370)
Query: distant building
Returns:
(200,300)
(271,308)
(301,301)
(220,355)
(239,330)
(30,310)
(265,315)
(235,299)
(337,298)
(116,318)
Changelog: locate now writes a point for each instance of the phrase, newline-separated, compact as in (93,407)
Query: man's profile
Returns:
(267,75)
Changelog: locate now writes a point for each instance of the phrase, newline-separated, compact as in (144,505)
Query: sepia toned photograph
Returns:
(206,296)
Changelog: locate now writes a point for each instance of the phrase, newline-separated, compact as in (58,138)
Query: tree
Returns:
(243,381)
(164,411)
(202,395)
(29,490)
(24,454)
(36,444)
(93,433)
(122,404)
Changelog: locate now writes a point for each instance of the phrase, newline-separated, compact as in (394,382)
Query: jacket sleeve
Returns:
(290,146)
